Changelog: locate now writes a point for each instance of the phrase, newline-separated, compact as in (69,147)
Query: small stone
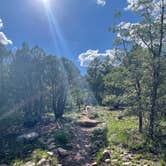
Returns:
(94,164)
(43,162)
(50,153)
(50,140)
(108,160)
(87,146)
(62,152)
(114,160)
(52,146)
(127,163)
(29,163)
(78,146)
(106,155)
(78,157)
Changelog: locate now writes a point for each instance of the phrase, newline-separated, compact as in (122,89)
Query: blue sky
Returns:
(80,24)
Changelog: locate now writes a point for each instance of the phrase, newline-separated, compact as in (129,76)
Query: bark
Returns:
(138,89)
(155,76)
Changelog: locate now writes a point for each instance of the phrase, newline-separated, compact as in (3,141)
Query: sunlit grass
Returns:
(123,137)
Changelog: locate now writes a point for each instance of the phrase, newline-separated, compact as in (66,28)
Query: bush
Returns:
(62,137)
(113,101)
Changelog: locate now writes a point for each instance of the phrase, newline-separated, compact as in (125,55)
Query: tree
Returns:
(149,33)
(4,54)
(114,87)
(56,81)
(94,77)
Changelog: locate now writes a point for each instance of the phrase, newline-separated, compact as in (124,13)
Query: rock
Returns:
(50,153)
(120,117)
(28,137)
(42,162)
(86,122)
(93,116)
(52,146)
(62,152)
(114,160)
(108,160)
(29,163)
(106,155)
(50,140)
(88,108)
(126,163)
(94,164)
(78,146)
(87,146)
(3,165)
(78,157)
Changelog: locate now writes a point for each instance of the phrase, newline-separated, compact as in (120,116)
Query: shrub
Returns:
(62,137)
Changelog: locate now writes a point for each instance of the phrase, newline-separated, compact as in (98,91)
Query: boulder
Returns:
(28,137)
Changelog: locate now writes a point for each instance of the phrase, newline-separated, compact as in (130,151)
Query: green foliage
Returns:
(124,139)
(35,157)
(95,73)
(99,155)
(62,137)
(18,162)
(99,142)
(33,83)
(119,131)
(39,154)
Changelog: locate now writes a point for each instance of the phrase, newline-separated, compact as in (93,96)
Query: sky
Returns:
(67,28)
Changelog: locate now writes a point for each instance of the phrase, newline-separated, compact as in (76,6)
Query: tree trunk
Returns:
(155,77)
(153,103)
(139,105)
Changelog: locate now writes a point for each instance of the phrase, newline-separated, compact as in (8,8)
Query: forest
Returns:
(52,114)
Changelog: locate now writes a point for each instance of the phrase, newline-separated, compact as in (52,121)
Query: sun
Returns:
(46,2)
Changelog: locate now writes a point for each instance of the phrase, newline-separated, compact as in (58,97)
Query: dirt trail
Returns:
(81,143)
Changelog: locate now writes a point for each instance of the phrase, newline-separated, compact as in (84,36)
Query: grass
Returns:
(35,157)
(122,135)
(119,130)
(39,154)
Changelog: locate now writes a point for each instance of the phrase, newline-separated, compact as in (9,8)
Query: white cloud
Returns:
(87,57)
(101,2)
(1,24)
(3,39)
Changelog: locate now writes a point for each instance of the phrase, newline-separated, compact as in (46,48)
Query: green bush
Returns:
(62,137)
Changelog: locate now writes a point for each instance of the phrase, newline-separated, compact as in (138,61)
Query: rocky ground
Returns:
(77,139)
